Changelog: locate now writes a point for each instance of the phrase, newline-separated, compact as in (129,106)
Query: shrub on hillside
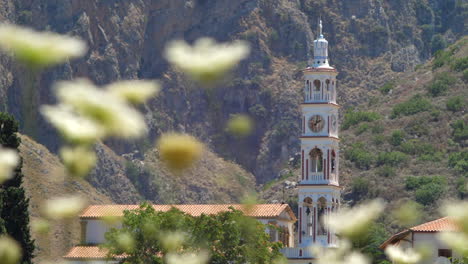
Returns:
(386,88)
(417,127)
(460,64)
(434,157)
(440,58)
(360,187)
(386,171)
(362,128)
(397,137)
(428,194)
(356,117)
(437,43)
(459,161)
(379,139)
(412,106)
(455,103)
(361,158)
(461,186)
(377,129)
(440,83)
(465,75)
(460,131)
(393,158)
(416,147)
(427,189)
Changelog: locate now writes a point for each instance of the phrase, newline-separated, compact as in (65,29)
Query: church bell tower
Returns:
(319,190)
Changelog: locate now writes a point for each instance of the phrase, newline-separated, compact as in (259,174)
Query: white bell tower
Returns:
(319,190)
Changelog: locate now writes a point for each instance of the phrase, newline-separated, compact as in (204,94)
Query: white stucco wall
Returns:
(95,230)
(430,240)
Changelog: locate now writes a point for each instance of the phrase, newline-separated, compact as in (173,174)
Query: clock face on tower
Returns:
(333,122)
(316,123)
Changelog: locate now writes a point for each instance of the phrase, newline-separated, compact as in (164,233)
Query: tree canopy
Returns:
(147,236)
(14,214)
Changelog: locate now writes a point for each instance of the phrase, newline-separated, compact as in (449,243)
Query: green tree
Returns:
(229,237)
(14,215)
(369,242)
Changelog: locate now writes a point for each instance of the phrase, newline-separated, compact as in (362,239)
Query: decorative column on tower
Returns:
(319,190)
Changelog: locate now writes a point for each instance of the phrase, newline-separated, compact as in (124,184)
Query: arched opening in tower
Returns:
(316,160)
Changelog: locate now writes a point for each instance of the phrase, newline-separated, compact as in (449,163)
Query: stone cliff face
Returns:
(370,42)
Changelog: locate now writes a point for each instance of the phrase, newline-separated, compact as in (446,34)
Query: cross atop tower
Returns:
(320,50)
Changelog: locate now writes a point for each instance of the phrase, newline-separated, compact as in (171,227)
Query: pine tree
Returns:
(14,214)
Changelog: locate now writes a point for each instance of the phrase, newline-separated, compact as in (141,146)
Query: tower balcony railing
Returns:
(297,252)
(316,176)
(319,97)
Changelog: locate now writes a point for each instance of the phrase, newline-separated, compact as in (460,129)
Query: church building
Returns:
(319,189)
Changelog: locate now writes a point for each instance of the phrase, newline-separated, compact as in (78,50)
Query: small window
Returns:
(445,253)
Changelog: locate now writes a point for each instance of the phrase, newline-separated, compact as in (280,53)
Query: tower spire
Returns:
(320,27)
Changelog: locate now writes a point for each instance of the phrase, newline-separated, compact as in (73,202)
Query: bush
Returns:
(465,75)
(377,129)
(459,161)
(440,83)
(386,171)
(360,186)
(354,118)
(434,157)
(438,43)
(460,64)
(386,88)
(379,139)
(416,182)
(362,128)
(460,131)
(428,194)
(361,158)
(427,189)
(417,127)
(394,158)
(397,137)
(440,58)
(461,186)
(455,104)
(416,147)
(413,106)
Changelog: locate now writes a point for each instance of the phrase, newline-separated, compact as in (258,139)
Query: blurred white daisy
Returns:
(114,114)
(457,241)
(72,126)
(64,207)
(79,160)
(458,212)
(187,258)
(354,221)
(10,250)
(400,256)
(39,48)
(206,61)
(134,91)
(8,161)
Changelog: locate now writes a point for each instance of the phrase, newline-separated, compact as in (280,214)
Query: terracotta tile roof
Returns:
(442,224)
(87,252)
(438,225)
(257,211)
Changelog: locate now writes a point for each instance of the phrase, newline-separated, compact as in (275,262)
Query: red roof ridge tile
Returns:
(257,210)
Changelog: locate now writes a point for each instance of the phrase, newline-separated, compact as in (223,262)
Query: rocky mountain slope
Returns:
(370,40)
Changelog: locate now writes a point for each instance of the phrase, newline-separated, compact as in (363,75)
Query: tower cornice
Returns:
(320,70)
(319,104)
(319,137)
